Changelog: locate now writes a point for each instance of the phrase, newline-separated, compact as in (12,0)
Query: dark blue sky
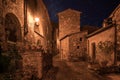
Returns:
(93,11)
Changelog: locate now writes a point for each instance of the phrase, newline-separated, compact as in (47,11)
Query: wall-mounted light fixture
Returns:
(36,21)
(36,26)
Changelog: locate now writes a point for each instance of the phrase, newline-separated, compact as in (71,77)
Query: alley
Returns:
(56,39)
(75,71)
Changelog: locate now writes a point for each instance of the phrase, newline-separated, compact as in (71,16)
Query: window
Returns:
(14,1)
(78,47)
(80,39)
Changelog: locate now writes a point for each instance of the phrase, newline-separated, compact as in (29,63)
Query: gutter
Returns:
(25,18)
(72,34)
(100,30)
(115,47)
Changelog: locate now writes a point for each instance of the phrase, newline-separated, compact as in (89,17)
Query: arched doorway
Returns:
(12,28)
(12,36)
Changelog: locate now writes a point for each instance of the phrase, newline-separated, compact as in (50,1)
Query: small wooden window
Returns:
(78,47)
(80,39)
(14,1)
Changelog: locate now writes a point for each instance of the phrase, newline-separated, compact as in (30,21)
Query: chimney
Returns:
(107,22)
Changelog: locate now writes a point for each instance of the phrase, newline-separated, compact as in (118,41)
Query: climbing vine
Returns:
(105,47)
(104,52)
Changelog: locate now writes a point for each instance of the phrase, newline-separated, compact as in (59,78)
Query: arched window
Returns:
(12,28)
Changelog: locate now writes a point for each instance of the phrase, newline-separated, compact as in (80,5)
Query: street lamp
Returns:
(36,26)
(36,21)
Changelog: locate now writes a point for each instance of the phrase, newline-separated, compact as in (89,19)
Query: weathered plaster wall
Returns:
(106,40)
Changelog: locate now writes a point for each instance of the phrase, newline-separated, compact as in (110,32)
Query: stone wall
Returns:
(43,32)
(33,63)
(64,50)
(78,45)
(36,64)
(15,7)
(116,18)
(20,64)
(69,22)
(43,35)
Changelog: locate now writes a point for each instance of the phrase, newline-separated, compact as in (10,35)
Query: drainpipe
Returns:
(115,47)
(25,18)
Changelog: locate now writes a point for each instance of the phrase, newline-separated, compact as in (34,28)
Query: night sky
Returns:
(93,11)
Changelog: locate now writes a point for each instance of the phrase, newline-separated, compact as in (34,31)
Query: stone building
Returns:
(69,22)
(25,27)
(72,40)
(115,15)
(103,44)
(14,13)
(77,45)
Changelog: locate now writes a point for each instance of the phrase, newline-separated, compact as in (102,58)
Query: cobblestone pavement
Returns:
(75,71)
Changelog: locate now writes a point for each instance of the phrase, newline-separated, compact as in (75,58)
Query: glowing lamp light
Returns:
(37,21)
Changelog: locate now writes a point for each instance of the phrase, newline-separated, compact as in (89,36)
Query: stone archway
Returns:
(12,28)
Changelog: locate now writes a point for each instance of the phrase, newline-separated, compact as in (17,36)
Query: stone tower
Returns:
(69,22)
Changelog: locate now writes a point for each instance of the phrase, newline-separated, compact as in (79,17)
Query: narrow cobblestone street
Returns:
(59,40)
(75,71)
